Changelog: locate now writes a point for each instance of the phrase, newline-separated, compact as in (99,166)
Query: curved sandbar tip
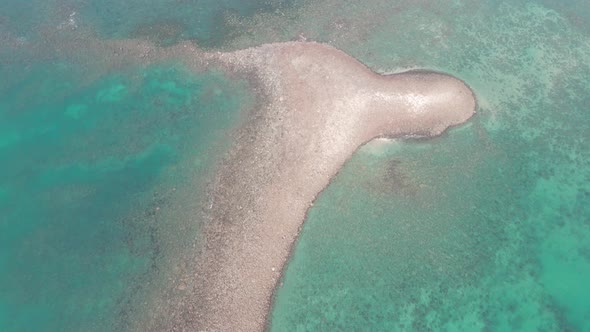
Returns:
(438,101)
(418,103)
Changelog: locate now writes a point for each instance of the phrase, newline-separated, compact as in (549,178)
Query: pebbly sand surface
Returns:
(319,105)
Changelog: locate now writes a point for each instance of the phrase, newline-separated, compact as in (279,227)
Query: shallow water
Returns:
(484,228)
(88,174)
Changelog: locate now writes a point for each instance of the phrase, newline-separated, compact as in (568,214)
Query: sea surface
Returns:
(103,171)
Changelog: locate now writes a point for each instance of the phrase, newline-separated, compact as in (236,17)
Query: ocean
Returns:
(103,172)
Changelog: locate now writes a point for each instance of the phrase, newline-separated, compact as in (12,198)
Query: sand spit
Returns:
(322,106)
(319,106)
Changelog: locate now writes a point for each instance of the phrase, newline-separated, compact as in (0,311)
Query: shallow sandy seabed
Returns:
(319,106)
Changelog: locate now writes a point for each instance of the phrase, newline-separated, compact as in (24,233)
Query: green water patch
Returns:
(21,18)
(86,172)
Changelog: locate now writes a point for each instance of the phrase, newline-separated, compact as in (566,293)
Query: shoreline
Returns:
(293,245)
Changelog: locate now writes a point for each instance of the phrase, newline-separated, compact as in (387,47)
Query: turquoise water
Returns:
(485,228)
(86,173)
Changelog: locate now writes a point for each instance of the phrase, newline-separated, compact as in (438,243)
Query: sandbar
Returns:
(319,106)
(322,105)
